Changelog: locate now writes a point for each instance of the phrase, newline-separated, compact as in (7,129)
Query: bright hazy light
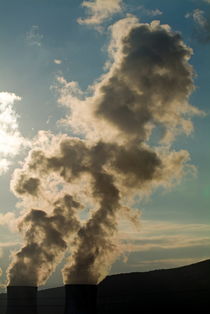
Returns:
(10,137)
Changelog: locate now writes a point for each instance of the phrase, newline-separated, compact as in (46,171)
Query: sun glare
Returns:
(10,137)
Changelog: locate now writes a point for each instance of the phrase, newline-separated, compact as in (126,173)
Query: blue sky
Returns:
(41,40)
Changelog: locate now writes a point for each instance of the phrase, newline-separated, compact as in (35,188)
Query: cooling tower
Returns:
(80,299)
(21,300)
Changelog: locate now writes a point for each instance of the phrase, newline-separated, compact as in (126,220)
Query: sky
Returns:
(57,59)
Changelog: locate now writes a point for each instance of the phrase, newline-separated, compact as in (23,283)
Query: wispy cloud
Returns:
(202,25)
(148,12)
(10,138)
(165,235)
(6,245)
(170,242)
(9,244)
(100,10)
(163,244)
(9,219)
(198,17)
(164,263)
(34,37)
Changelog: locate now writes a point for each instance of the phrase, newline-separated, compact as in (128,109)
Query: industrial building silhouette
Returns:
(79,299)
(179,290)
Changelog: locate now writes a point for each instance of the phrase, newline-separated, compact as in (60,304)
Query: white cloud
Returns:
(100,10)
(10,221)
(34,37)
(57,61)
(10,137)
(198,17)
(202,25)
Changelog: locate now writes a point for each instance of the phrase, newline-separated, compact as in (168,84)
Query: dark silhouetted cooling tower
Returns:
(80,299)
(21,300)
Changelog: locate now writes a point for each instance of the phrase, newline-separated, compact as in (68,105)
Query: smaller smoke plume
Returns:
(94,242)
(46,237)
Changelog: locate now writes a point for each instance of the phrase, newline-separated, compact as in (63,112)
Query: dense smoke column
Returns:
(80,299)
(94,242)
(21,300)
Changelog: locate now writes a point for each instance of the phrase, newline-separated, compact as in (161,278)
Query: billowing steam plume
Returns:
(46,237)
(142,99)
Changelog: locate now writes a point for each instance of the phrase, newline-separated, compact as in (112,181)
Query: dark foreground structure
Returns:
(80,299)
(182,290)
(21,300)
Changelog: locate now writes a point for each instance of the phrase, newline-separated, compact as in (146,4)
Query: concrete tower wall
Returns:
(21,300)
(80,299)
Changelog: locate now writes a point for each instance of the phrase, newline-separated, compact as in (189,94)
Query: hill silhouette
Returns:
(179,290)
